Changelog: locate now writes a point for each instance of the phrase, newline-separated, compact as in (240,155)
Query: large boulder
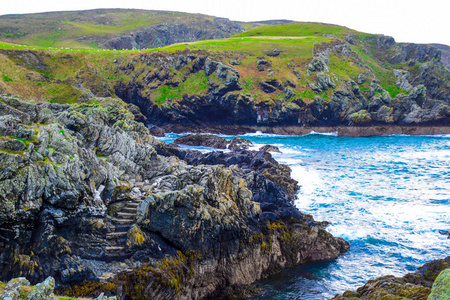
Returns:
(43,290)
(441,287)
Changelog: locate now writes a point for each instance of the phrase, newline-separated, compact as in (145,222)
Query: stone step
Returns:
(125,215)
(133,204)
(115,249)
(123,221)
(129,209)
(116,235)
(122,227)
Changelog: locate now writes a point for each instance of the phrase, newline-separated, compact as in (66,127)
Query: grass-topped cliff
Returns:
(289,74)
(112,28)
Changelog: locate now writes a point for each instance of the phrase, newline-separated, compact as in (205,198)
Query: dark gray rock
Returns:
(323,83)
(205,140)
(384,42)
(317,64)
(270,148)
(270,86)
(239,143)
(12,145)
(273,53)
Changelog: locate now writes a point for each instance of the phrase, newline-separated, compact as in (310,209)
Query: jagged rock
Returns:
(157,131)
(361,78)
(384,114)
(12,290)
(106,195)
(12,145)
(239,143)
(402,82)
(270,148)
(205,140)
(350,38)
(361,117)
(262,64)
(289,93)
(270,86)
(441,287)
(228,76)
(289,83)
(43,290)
(384,42)
(317,64)
(323,83)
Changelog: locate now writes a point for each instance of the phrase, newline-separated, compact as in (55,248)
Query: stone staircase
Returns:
(116,248)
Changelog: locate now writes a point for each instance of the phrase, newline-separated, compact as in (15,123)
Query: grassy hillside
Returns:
(92,29)
(280,55)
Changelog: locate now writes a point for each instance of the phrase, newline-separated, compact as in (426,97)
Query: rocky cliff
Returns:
(279,78)
(89,197)
(224,104)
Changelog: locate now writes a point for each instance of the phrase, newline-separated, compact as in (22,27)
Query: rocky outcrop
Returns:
(425,101)
(270,148)
(20,288)
(430,278)
(441,286)
(214,141)
(206,140)
(96,202)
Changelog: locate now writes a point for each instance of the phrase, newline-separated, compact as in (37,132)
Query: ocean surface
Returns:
(388,196)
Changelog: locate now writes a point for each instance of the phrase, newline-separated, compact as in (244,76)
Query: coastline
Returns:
(349,131)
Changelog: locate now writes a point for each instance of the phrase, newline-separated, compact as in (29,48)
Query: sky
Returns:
(406,20)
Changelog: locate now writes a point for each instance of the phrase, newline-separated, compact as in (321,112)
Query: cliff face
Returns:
(168,33)
(278,76)
(89,197)
(113,28)
(223,103)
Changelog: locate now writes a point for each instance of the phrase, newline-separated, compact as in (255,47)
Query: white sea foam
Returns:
(333,133)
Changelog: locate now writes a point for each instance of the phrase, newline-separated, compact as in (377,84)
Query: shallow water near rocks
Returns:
(388,196)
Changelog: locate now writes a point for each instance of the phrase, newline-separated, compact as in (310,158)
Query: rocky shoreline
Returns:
(350,131)
(89,197)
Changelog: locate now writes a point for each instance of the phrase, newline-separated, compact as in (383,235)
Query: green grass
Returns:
(194,84)
(64,29)
(291,48)
(296,29)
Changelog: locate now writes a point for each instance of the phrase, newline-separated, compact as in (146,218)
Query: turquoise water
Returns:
(388,196)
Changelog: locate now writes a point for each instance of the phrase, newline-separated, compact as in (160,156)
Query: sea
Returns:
(388,196)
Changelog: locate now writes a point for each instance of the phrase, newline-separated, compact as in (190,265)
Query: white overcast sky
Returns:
(406,20)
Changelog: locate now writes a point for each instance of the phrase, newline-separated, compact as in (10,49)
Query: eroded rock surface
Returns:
(90,198)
